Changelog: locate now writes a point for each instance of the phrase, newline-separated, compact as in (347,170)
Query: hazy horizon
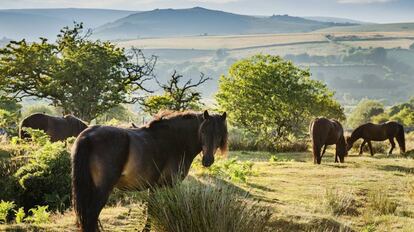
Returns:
(376,11)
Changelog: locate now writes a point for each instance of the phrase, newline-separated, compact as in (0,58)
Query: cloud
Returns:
(363,1)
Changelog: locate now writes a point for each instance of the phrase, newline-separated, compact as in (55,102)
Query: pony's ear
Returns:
(133,125)
(206,115)
(224,115)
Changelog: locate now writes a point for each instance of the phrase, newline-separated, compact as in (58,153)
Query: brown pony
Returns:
(378,132)
(105,157)
(326,132)
(58,128)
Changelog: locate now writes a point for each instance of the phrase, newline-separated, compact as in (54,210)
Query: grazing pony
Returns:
(378,132)
(105,157)
(326,132)
(58,128)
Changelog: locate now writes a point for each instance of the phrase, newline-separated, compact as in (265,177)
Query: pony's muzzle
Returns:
(207,161)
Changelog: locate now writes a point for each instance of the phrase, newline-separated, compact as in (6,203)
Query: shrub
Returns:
(230,169)
(205,208)
(379,203)
(19,215)
(241,140)
(45,178)
(339,202)
(39,215)
(6,208)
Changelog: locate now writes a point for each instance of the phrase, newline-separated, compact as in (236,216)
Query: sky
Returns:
(378,11)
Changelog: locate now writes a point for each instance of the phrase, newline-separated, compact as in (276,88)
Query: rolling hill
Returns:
(34,23)
(201,21)
(387,27)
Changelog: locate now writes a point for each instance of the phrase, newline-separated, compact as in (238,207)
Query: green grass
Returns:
(296,189)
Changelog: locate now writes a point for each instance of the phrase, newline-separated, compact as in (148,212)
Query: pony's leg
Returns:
(392,146)
(370,147)
(324,150)
(362,147)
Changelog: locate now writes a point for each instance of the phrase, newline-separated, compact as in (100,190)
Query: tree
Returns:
(174,96)
(82,76)
(364,112)
(273,98)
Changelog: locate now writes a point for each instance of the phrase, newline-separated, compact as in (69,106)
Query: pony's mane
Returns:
(169,116)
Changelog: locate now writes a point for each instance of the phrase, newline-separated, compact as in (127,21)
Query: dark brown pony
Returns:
(105,157)
(378,132)
(326,132)
(58,128)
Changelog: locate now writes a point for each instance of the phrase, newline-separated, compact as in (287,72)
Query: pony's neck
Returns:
(356,134)
(183,135)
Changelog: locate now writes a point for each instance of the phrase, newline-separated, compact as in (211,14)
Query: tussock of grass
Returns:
(379,203)
(201,207)
(339,202)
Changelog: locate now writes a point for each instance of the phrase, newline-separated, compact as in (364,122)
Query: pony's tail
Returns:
(316,148)
(401,138)
(83,189)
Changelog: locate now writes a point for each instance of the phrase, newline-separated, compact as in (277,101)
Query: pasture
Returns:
(353,196)
(315,43)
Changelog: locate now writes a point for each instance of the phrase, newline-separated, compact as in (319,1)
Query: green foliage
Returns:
(229,169)
(39,215)
(174,96)
(19,215)
(364,111)
(9,114)
(6,208)
(45,178)
(205,208)
(82,76)
(273,98)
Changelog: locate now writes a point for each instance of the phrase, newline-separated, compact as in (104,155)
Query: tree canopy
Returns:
(364,112)
(174,96)
(273,98)
(82,76)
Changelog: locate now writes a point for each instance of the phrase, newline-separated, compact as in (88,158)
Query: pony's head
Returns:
(349,143)
(342,149)
(213,135)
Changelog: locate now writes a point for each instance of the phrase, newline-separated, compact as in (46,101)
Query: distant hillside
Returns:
(390,27)
(33,23)
(201,21)
(335,20)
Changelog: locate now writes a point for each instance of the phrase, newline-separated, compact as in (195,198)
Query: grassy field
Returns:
(253,42)
(298,191)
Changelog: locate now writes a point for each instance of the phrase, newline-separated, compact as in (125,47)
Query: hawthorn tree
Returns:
(174,96)
(82,76)
(273,98)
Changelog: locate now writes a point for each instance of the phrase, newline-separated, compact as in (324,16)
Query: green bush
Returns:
(229,169)
(207,207)
(19,215)
(45,178)
(6,208)
(39,215)
(241,140)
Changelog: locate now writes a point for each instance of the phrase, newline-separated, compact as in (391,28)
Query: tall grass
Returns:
(339,202)
(379,203)
(206,207)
